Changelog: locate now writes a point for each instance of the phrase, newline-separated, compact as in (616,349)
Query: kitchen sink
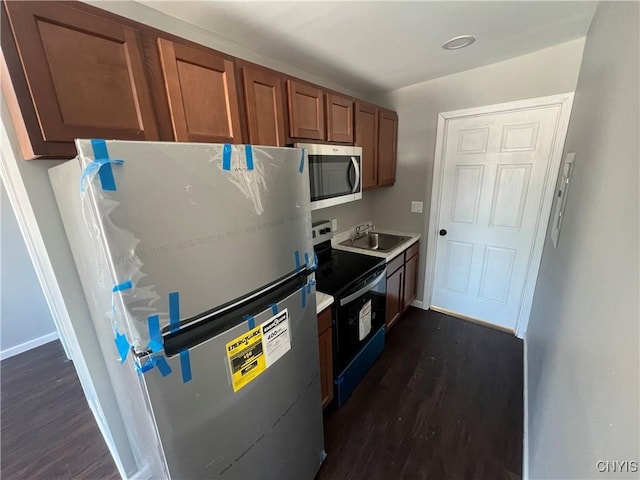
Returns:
(382,242)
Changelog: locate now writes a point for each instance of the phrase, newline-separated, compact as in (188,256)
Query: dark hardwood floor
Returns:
(47,428)
(444,401)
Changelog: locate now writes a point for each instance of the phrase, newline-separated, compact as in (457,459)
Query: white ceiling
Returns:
(380,46)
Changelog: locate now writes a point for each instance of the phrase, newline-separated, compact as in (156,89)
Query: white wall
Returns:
(545,72)
(583,337)
(25,320)
(347,214)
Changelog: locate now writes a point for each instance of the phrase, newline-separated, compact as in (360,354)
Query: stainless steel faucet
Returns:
(362,230)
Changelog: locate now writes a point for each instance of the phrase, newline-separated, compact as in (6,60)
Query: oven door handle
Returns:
(364,289)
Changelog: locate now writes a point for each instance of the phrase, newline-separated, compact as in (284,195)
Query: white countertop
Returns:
(342,236)
(323,301)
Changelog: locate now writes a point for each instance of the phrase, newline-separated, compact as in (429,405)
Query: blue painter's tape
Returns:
(99,147)
(248,150)
(100,153)
(250,321)
(297,255)
(185,365)
(122,344)
(301,168)
(274,308)
(315,261)
(93,168)
(174,324)
(147,366)
(122,286)
(163,366)
(304,297)
(174,311)
(155,342)
(226,157)
(306,260)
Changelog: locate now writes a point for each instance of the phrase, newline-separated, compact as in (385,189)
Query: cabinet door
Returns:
(264,102)
(387,146)
(367,138)
(201,88)
(84,73)
(394,297)
(410,282)
(326,366)
(339,118)
(306,110)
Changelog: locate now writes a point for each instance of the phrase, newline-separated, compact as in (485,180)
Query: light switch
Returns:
(334,225)
(416,207)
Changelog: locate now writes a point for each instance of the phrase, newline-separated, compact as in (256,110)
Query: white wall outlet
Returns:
(416,207)
(334,224)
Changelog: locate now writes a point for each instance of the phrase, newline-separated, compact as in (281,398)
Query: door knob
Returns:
(442,232)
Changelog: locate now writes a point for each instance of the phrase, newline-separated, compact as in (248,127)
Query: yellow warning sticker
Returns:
(246,358)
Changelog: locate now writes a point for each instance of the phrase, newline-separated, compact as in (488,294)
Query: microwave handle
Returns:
(356,168)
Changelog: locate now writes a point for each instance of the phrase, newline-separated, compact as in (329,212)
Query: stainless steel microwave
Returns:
(334,174)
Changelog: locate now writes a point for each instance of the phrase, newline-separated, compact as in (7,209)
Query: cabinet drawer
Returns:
(412,251)
(324,320)
(395,264)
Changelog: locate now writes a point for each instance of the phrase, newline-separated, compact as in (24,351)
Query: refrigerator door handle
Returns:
(213,323)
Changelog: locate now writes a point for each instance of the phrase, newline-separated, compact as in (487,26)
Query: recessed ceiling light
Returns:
(459,42)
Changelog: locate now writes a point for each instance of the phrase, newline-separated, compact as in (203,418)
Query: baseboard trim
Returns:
(142,474)
(473,320)
(525,427)
(23,347)
(418,304)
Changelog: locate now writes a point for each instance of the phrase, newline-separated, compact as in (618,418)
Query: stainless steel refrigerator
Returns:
(197,265)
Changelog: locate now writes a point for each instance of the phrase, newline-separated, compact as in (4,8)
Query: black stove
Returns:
(339,270)
(357,283)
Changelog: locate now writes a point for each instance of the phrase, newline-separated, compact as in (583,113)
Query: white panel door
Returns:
(495,169)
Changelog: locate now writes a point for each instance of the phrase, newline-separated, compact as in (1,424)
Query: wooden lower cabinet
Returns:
(402,284)
(410,290)
(325,344)
(394,297)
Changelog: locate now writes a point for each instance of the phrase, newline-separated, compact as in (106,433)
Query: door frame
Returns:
(565,101)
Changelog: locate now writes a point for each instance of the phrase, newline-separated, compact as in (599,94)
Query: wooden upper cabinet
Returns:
(73,74)
(339,111)
(264,104)
(306,110)
(201,89)
(367,138)
(387,146)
